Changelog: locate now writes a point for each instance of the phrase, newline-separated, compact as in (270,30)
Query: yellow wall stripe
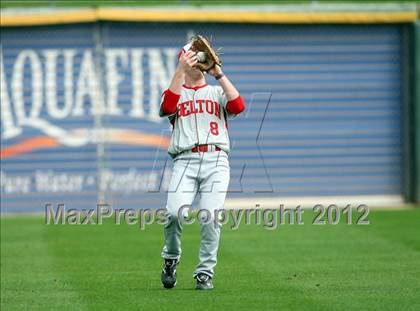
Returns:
(147,15)
(48,18)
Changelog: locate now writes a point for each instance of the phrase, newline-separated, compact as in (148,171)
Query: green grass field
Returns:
(306,267)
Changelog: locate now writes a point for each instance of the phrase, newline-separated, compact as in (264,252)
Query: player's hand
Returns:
(216,70)
(188,60)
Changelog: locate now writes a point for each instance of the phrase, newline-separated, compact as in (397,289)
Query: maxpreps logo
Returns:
(40,89)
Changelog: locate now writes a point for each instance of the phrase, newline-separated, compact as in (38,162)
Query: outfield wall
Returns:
(415,104)
(79,119)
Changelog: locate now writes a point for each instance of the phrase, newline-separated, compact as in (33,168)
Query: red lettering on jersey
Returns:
(193,109)
(182,112)
(209,106)
(189,107)
(217,109)
(200,102)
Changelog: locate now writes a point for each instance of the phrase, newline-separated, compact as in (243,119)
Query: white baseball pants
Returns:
(203,176)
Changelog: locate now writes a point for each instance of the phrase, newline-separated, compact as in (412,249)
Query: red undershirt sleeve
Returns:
(235,106)
(169,103)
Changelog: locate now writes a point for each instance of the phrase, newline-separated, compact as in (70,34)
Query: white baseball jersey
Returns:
(200,118)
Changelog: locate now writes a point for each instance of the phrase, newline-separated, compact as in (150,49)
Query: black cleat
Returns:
(168,276)
(204,282)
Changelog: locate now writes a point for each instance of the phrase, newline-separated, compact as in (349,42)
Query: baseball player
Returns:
(199,147)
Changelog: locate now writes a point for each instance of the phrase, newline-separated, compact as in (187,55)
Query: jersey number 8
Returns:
(214,128)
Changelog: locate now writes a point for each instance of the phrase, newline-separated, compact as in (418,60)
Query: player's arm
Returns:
(235,103)
(171,96)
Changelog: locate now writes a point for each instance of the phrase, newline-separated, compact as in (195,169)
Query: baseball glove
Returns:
(207,56)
